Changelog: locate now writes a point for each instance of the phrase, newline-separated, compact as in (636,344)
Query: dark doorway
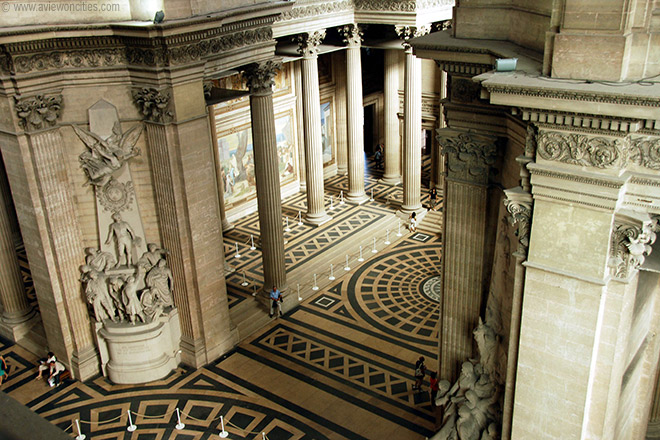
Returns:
(369,141)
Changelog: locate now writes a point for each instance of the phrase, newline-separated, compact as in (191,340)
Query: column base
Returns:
(17,328)
(85,363)
(356,199)
(303,187)
(342,170)
(317,219)
(226,226)
(390,180)
(406,209)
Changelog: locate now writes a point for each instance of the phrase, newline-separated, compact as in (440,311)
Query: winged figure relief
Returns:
(105,156)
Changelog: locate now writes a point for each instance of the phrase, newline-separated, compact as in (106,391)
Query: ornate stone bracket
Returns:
(37,112)
(519,205)
(469,156)
(261,76)
(309,42)
(352,35)
(407,33)
(153,104)
(631,240)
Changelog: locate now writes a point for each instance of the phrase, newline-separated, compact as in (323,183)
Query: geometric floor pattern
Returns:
(339,366)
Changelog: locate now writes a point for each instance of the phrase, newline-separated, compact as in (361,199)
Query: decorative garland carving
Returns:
(578,149)
(352,35)
(645,152)
(115,196)
(260,77)
(400,6)
(316,10)
(467,158)
(40,111)
(153,104)
(521,215)
(309,42)
(629,246)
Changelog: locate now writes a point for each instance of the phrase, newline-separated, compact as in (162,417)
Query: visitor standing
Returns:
(276,301)
(420,371)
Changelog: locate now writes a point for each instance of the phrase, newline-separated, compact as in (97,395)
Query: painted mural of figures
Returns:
(124,238)
(105,156)
(240,154)
(159,280)
(99,260)
(97,295)
(131,301)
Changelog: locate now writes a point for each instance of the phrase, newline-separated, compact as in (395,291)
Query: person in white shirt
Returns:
(56,368)
(43,366)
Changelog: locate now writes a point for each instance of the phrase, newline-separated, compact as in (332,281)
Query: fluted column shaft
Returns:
(339,60)
(300,131)
(16,308)
(354,116)
(267,175)
(312,122)
(412,114)
(218,170)
(392,175)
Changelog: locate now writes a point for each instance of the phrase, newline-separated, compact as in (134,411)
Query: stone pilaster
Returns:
(17,314)
(412,120)
(339,63)
(47,213)
(308,47)
(184,176)
(392,174)
(226,226)
(468,159)
(354,115)
(260,81)
(300,130)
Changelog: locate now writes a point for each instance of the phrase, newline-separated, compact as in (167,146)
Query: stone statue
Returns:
(131,301)
(151,257)
(151,307)
(124,238)
(159,280)
(97,294)
(115,285)
(104,157)
(99,260)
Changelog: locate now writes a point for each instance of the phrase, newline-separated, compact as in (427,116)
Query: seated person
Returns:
(45,365)
(56,368)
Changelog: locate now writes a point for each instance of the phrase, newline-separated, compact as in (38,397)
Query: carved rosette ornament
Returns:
(468,157)
(520,214)
(153,104)
(352,35)
(407,33)
(578,149)
(115,196)
(309,42)
(260,77)
(37,112)
(630,245)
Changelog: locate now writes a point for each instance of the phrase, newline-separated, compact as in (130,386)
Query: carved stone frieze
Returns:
(352,35)
(645,151)
(630,244)
(316,9)
(468,157)
(37,112)
(401,6)
(153,104)
(260,77)
(578,149)
(520,214)
(309,42)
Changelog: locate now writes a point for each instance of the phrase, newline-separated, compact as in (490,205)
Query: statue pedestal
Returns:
(139,353)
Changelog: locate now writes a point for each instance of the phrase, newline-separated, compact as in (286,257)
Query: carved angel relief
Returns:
(104,157)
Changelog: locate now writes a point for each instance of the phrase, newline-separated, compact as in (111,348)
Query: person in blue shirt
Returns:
(276,301)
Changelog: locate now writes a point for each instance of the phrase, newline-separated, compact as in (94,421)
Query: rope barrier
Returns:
(103,422)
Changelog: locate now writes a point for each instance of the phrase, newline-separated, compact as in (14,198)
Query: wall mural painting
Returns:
(237,160)
(327,133)
(281,87)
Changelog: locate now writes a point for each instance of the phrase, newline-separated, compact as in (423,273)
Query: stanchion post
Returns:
(80,435)
(223,433)
(179,426)
(237,255)
(131,426)
(332,274)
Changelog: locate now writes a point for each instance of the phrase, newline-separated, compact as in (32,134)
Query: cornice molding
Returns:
(585,122)
(316,9)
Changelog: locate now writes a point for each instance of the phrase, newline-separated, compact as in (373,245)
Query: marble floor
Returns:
(338,366)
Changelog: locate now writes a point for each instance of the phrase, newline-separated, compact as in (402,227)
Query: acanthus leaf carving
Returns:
(309,42)
(520,215)
(467,157)
(153,104)
(578,149)
(37,112)
(260,77)
(645,151)
(352,35)
(630,245)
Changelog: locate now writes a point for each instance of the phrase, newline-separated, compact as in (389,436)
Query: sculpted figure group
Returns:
(114,291)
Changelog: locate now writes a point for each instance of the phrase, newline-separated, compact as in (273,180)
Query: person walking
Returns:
(433,387)
(413,222)
(433,195)
(276,301)
(420,371)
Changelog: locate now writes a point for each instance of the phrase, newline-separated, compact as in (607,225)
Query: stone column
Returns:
(354,115)
(412,115)
(184,179)
(17,314)
(392,175)
(36,163)
(300,131)
(465,212)
(339,63)
(226,226)
(308,48)
(260,82)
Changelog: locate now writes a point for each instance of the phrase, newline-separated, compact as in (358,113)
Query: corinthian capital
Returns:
(469,156)
(37,112)
(518,204)
(260,76)
(153,104)
(309,42)
(407,33)
(352,35)
(631,240)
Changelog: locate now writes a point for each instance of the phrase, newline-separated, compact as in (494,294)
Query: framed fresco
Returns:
(236,156)
(281,87)
(328,133)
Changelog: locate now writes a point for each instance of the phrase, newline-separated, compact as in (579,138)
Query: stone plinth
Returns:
(140,353)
